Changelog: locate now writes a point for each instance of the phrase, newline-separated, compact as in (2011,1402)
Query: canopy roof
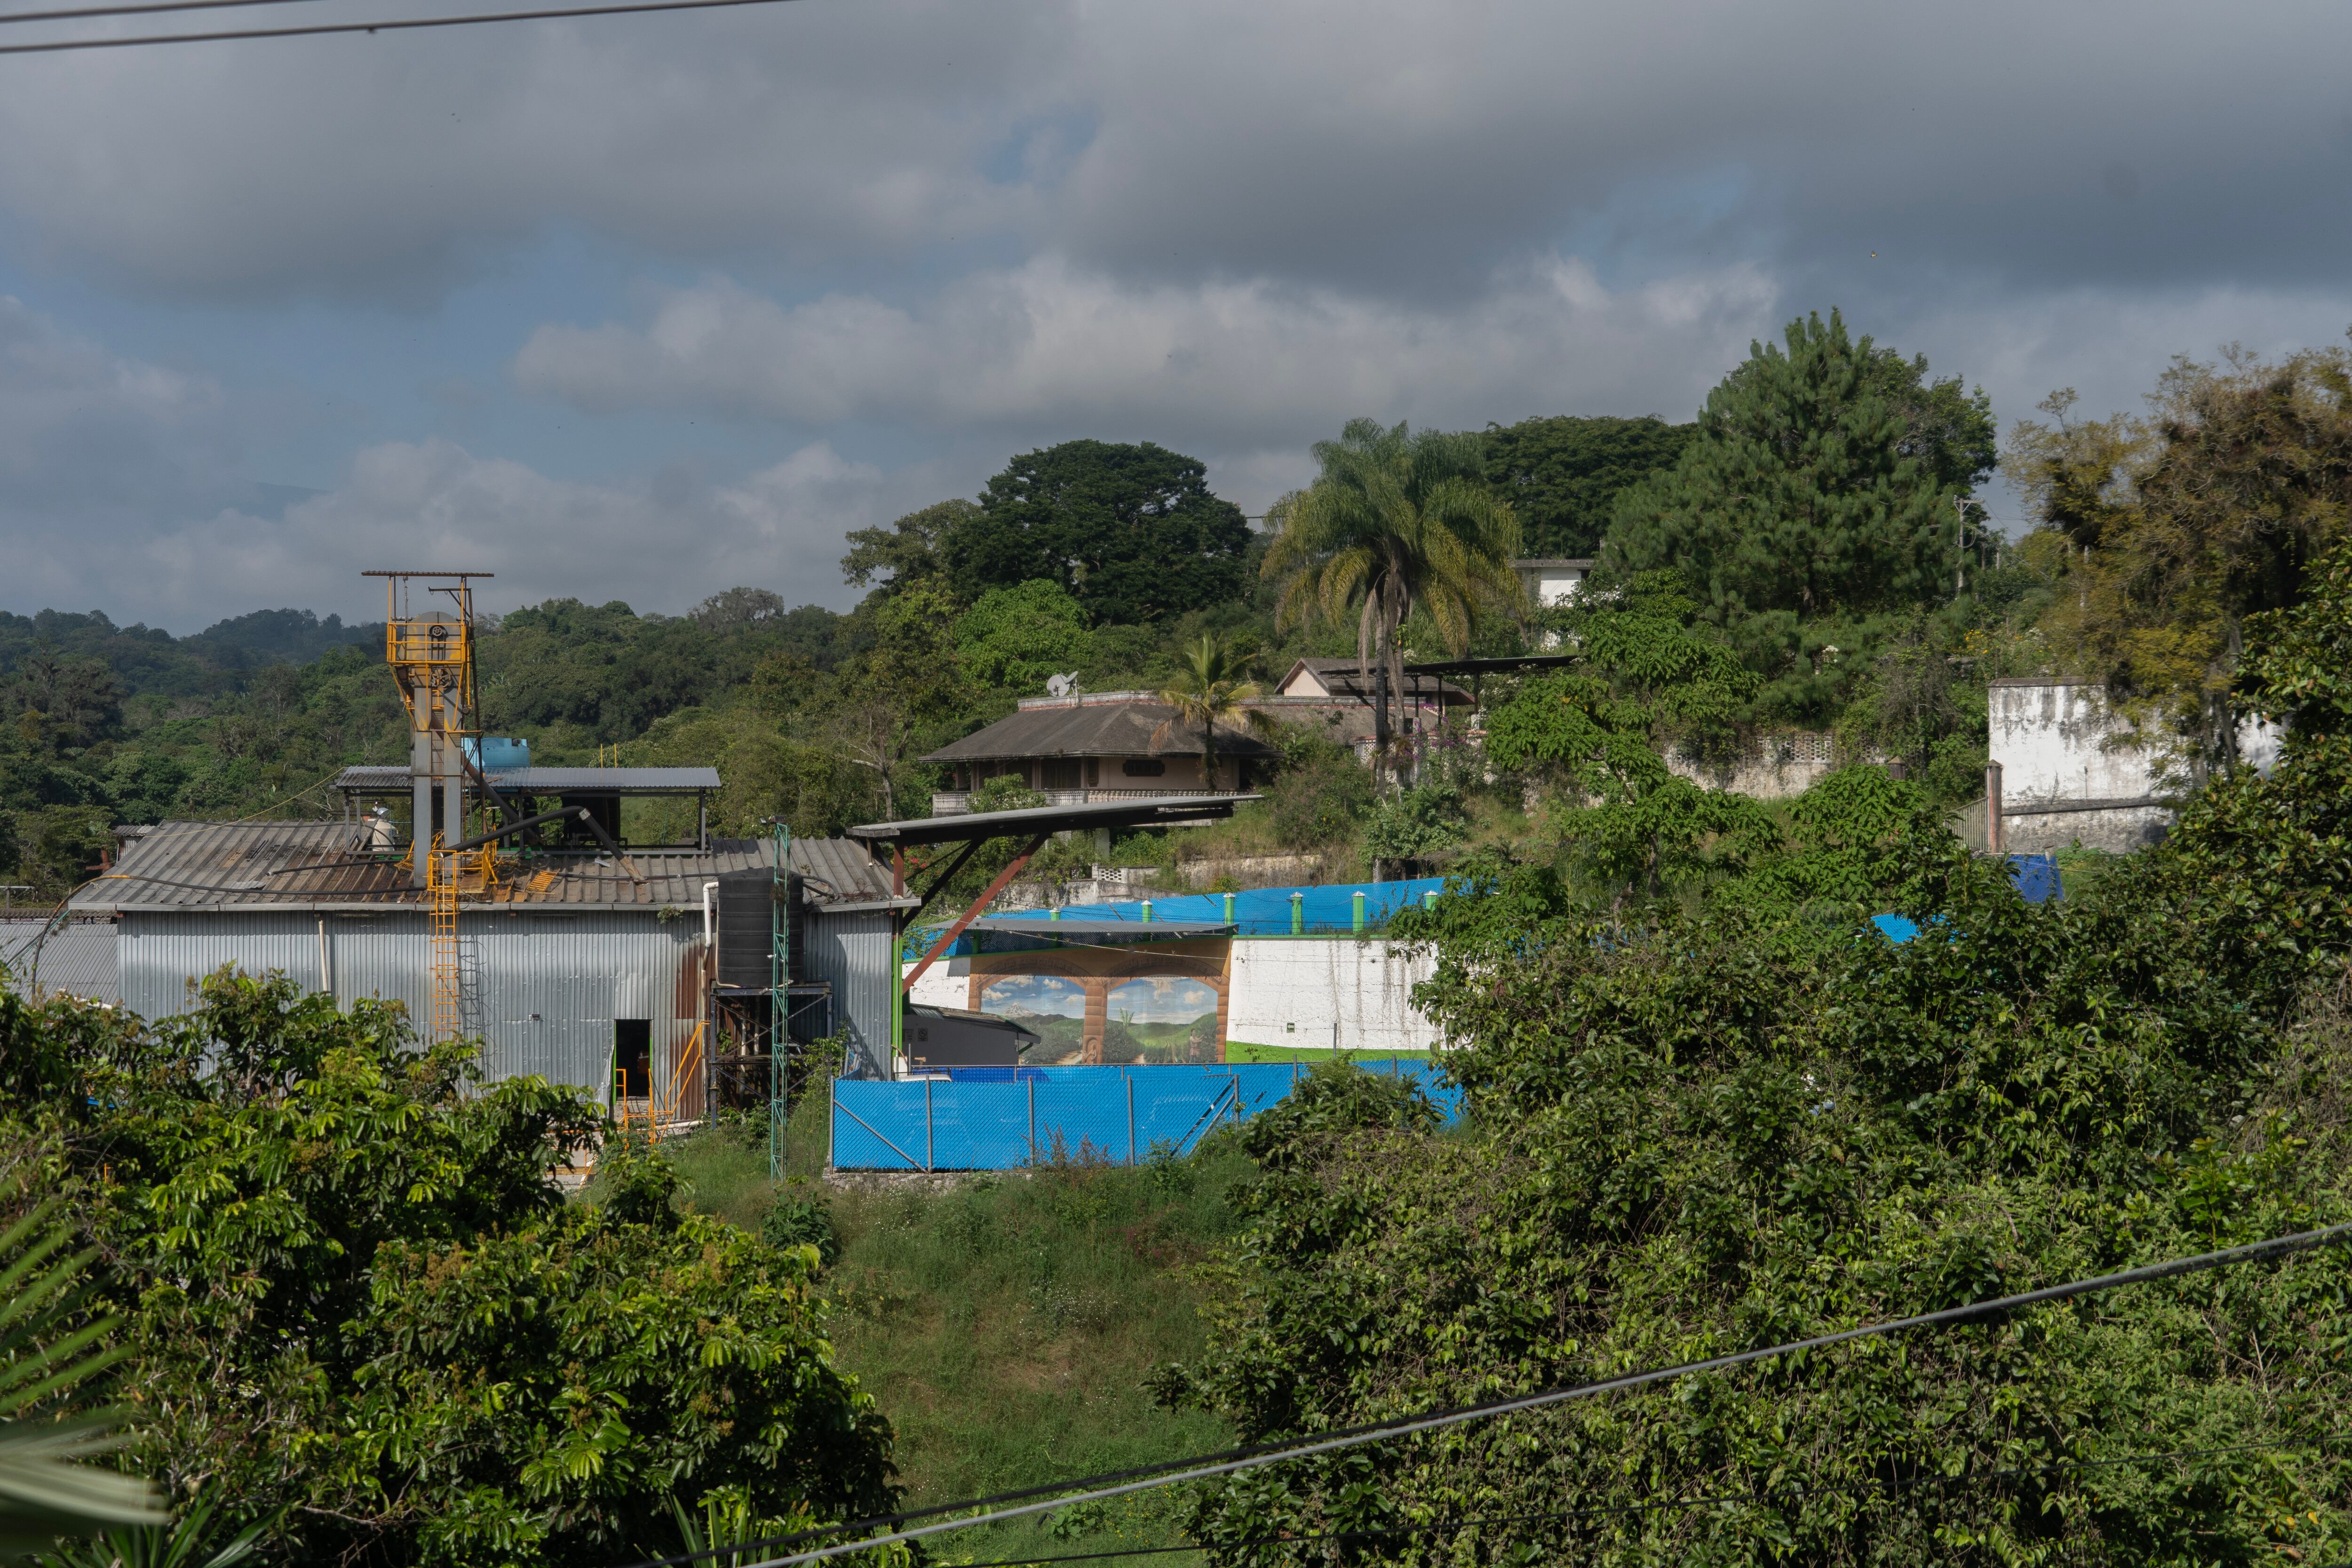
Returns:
(1156,811)
(395,780)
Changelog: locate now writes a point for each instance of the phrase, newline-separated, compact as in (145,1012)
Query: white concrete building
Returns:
(1552,581)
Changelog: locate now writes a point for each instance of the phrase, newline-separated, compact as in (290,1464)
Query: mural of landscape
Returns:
(1162,1020)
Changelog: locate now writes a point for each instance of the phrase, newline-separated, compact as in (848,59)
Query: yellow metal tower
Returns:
(430,646)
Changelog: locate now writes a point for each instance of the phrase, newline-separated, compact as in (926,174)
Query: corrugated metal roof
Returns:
(549,781)
(1089,729)
(244,865)
(838,871)
(310,864)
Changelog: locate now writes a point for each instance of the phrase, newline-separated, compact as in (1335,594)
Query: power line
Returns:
(400,25)
(1208,1467)
(81,13)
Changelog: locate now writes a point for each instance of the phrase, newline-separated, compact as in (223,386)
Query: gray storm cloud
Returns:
(946,230)
(1229,364)
(1403,148)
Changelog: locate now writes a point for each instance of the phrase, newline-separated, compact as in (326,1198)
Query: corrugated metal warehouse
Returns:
(569,968)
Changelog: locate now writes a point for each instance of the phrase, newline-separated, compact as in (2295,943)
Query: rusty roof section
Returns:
(222,866)
(196,866)
(840,871)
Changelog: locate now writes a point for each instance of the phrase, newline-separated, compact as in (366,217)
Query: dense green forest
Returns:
(1708,1107)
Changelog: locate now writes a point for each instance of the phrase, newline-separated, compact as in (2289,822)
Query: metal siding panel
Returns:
(854,951)
(76,958)
(549,987)
(160,955)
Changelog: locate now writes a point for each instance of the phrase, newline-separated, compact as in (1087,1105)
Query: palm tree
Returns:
(48,1346)
(1213,689)
(1395,523)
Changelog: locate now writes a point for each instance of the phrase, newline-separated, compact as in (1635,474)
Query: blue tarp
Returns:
(999,1119)
(1258,912)
(2034,875)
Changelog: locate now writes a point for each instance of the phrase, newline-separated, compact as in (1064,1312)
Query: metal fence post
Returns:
(1297,914)
(1032,1120)
(928,1158)
(1130,1116)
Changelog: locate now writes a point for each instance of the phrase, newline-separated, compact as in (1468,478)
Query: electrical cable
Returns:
(1434,1526)
(400,25)
(79,13)
(1207,1467)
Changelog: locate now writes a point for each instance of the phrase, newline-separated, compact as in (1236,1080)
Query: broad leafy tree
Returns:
(1016,638)
(1563,475)
(1828,479)
(357,1307)
(1132,531)
(2161,535)
(1647,682)
(909,551)
(1395,523)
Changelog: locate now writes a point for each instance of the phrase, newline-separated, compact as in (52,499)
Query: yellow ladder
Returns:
(441,897)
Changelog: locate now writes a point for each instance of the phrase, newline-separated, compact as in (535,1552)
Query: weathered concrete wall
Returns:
(1776,767)
(2059,744)
(2055,738)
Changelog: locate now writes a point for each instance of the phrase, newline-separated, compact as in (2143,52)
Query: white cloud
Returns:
(660,545)
(1237,366)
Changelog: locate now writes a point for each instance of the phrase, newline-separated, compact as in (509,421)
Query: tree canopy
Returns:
(1827,478)
(1700,1125)
(1130,531)
(357,1304)
(1562,474)
(2162,535)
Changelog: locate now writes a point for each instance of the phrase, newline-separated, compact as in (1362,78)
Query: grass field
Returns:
(1006,1327)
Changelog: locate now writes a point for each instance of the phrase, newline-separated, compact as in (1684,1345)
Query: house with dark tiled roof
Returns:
(1097,747)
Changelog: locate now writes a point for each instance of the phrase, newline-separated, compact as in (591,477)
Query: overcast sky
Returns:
(641,307)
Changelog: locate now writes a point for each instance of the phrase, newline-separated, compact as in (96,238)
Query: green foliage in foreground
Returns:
(356,1303)
(1007,1325)
(1690,1134)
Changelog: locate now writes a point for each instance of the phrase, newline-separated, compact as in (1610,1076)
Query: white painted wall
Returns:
(947,984)
(2056,740)
(1554,585)
(1292,991)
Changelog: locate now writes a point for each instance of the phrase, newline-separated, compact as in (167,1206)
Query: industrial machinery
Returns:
(430,646)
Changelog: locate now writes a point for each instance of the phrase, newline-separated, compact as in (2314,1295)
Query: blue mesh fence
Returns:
(1259,912)
(999,1118)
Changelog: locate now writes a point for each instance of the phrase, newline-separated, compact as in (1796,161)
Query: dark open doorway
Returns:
(633,1052)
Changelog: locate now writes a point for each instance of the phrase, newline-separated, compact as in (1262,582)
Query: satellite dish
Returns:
(1062,685)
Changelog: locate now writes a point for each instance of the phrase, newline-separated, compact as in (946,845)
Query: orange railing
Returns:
(669,1106)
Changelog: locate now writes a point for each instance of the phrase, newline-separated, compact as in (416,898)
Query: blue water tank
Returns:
(497,753)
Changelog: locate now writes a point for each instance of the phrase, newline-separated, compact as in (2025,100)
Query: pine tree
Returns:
(1829,479)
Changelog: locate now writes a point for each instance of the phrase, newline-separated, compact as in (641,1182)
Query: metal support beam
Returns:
(973,911)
